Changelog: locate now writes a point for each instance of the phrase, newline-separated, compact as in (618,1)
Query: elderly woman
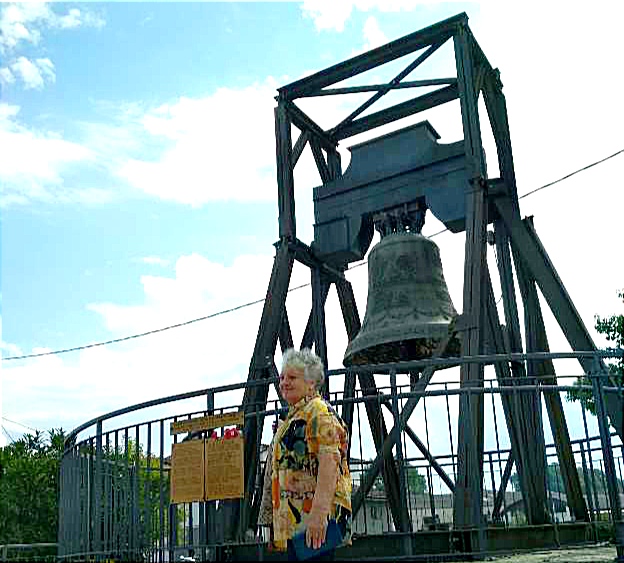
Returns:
(307,467)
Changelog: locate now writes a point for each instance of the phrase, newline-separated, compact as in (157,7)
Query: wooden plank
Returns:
(385,451)
(285,334)
(385,89)
(320,290)
(334,164)
(432,460)
(301,143)
(308,334)
(523,418)
(304,254)
(468,505)
(500,496)
(255,398)
(352,323)
(208,422)
(375,57)
(537,341)
(285,178)
(319,159)
(399,111)
(377,87)
(527,245)
(305,123)
(496,107)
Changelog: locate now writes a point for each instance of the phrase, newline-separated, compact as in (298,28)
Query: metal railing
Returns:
(115,473)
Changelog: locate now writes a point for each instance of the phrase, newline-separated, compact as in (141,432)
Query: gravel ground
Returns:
(593,554)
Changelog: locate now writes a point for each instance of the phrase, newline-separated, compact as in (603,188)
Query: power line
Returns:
(572,174)
(185,323)
(20,424)
(155,331)
(8,435)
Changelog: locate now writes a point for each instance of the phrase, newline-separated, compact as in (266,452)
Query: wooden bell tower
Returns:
(484,201)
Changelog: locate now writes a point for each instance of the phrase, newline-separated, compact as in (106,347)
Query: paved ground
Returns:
(594,554)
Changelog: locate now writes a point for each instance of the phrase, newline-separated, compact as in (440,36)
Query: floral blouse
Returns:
(312,427)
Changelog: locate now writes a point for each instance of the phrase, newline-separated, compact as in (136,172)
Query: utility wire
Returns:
(8,435)
(178,325)
(572,174)
(133,336)
(20,424)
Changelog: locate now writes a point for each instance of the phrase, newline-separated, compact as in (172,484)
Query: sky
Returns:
(138,190)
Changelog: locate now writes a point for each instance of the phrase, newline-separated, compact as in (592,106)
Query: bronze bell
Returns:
(408,309)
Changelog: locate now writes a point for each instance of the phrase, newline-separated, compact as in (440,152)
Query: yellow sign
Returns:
(187,471)
(224,469)
(208,470)
(208,422)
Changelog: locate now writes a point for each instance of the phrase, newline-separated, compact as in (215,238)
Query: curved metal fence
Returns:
(115,472)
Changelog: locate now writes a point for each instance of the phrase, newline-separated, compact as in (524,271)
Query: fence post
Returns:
(607,455)
(407,540)
(97,507)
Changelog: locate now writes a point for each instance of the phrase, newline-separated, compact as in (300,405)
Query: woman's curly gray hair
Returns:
(308,361)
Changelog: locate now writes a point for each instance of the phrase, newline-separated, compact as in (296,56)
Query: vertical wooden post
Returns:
(352,324)
(318,312)
(537,341)
(285,178)
(468,492)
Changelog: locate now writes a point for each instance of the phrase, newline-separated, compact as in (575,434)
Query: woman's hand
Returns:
(316,528)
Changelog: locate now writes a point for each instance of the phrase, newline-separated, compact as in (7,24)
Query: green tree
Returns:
(127,469)
(613,329)
(554,480)
(29,469)
(416,482)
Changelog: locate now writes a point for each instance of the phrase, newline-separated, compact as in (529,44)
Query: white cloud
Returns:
(155,261)
(333,15)
(6,76)
(327,15)
(25,21)
(33,74)
(373,35)
(34,162)
(220,147)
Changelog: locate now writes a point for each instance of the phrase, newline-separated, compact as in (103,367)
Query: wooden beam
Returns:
(319,159)
(399,111)
(305,123)
(352,323)
(320,289)
(255,397)
(527,245)
(371,59)
(301,143)
(524,423)
(468,505)
(308,334)
(496,107)
(537,341)
(385,89)
(377,87)
(385,450)
(304,254)
(425,452)
(285,178)
(432,460)
(500,496)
